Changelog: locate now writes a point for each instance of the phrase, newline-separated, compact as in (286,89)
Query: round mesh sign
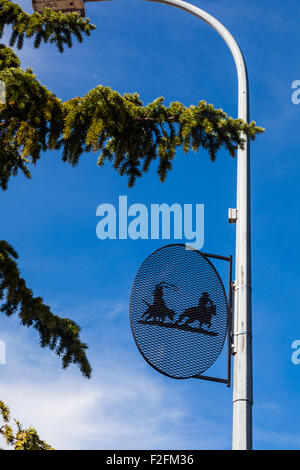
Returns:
(178,311)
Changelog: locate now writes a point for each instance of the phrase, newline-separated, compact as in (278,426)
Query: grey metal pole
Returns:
(242,341)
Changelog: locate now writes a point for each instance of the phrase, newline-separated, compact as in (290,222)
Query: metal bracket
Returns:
(238,333)
(235,287)
(232,345)
(234,335)
(226,381)
(232,216)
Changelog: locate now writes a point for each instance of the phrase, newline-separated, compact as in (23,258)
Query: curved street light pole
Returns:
(242,340)
(242,381)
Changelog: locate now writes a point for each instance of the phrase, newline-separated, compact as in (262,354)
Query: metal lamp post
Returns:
(242,340)
(242,337)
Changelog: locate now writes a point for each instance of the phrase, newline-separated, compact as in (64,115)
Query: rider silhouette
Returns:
(159,296)
(205,302)
(159,311)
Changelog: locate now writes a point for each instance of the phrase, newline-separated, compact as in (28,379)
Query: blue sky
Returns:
(51,221)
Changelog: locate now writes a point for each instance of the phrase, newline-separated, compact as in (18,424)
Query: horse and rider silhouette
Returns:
(160,314)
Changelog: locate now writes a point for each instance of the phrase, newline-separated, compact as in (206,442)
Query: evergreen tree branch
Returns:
(61,335)
(119,128)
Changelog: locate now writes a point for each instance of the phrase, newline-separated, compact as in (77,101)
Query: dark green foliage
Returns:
(120,128)
(59,334)
(132,135)
(8,58)
(27,121)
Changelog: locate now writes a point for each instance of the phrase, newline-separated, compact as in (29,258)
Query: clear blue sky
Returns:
(51,220)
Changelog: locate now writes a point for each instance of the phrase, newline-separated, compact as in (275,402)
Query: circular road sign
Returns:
(179,311)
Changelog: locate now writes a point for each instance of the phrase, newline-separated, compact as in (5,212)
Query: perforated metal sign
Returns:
(179,311)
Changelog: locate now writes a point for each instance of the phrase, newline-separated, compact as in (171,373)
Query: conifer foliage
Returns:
(19,438)
(52,27)
(119,128)
(59,334)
